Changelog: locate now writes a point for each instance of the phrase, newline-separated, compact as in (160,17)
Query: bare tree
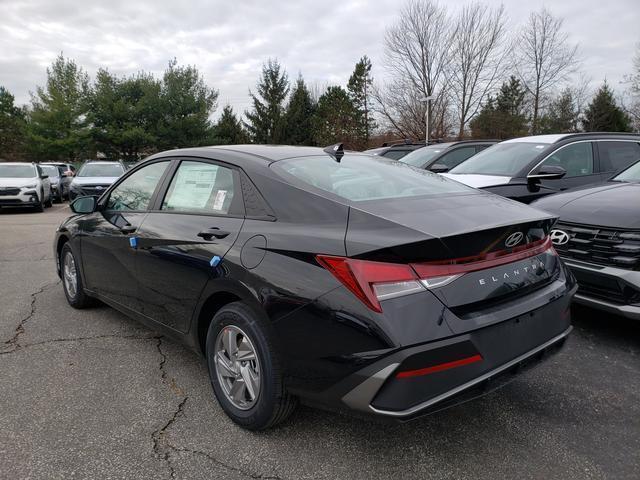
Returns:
(545,58)
(416,57)
(477,64)
(634,90)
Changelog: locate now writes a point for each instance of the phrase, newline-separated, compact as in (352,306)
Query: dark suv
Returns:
(442,157)
(528,168)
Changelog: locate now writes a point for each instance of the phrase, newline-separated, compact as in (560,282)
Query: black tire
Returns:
(40,206)
(273,404)
(80,300)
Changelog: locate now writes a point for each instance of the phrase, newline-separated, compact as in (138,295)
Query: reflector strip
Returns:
(440,367)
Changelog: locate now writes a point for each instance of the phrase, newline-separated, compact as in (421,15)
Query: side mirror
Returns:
(84,205)
(439,168)
(548,172)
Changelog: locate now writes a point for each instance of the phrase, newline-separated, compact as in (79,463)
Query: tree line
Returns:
(482,81)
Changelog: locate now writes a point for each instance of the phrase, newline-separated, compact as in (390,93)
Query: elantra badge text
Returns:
(533,267)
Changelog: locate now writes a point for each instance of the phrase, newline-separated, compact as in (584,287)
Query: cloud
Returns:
(229,40)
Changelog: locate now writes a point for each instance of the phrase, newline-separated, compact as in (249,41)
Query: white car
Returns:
(24,184)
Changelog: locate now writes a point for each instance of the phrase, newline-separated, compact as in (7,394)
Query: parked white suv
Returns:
(24,184)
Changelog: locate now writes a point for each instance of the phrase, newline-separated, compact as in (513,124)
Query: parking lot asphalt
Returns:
(93,394)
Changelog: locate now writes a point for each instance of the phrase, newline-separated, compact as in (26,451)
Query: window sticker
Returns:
(219,200)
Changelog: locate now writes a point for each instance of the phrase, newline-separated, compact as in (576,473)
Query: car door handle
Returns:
(209,233)
(128,229)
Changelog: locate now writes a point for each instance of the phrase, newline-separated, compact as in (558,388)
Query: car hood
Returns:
(478,181)
(380,224)
(611,204)
(94,180)
(17,182)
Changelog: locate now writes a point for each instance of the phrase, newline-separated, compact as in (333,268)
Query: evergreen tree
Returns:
(604,115)
(359,86)
(299,115)
(505,116)
(562,116)
(334,120)
(125,114)
(186,104)
(58,127)
(12,127)
(266,123)
(228,130)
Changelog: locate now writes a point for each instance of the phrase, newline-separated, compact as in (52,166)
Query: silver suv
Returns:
(24,184)
(95,177)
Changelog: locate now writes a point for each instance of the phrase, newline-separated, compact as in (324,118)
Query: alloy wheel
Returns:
(237,367)
(70,274)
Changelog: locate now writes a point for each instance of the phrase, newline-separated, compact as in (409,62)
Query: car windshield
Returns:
(359,178)
(502,159)
(17,171)
(101,170)
(419,157)
(50,170)
(631,174)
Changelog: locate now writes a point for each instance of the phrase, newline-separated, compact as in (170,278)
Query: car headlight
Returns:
(31,185)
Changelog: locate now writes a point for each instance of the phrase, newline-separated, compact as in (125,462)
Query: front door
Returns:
(108,255)
(182,243)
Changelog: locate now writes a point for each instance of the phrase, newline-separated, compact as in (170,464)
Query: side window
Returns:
(456,156)
(479,148)
(576,159)
(203,187)
(135,192)
(615,156)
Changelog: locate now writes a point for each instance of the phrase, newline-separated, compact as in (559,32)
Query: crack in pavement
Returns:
(12,343)
(208,456)
(79,339)
(158,436)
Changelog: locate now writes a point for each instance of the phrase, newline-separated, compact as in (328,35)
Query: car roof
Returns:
(264,154)
(558,137)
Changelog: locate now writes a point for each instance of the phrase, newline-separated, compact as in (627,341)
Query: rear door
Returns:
(183,241)
(456,156)
(616,156)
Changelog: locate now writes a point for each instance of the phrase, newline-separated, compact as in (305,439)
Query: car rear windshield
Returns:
(419,157)
(50,170)
(631,174)
(101,170)
(502,159)
(358,177)
(17,171)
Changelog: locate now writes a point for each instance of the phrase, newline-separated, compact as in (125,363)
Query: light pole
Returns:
(426,115)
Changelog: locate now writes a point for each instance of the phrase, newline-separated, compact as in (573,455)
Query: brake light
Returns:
(372,282)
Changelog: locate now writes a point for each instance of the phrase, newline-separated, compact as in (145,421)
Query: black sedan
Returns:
(339,279)
(598,235)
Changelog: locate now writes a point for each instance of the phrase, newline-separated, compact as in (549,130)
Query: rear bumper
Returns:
(611,289)
(387,387)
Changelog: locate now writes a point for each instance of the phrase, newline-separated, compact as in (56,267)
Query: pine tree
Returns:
(266,123)
(359,86)
(299,115)
(562,116)
(228,130)
(505,116)
(186,104)
(604,115)
(58,127)
(334,120)
(12,127)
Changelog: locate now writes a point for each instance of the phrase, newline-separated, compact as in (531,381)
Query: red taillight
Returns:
(375,281)
(361,276)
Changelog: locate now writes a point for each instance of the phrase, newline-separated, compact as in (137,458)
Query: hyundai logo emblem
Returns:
(513,239)
(559,237)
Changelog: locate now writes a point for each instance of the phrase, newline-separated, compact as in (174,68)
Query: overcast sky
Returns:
(229,40)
